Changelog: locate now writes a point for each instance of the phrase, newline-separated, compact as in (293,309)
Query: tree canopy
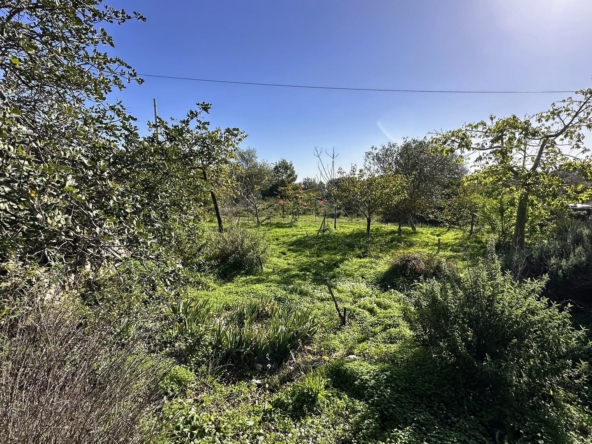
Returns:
(525,155)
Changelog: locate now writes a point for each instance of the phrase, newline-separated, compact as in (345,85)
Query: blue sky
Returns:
(408,44)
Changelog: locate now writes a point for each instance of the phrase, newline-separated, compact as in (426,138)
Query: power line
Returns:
(343,88)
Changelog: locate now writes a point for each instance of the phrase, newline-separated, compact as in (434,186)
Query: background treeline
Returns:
(109,236)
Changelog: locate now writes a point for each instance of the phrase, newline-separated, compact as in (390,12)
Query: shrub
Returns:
(237,251)
(517,357)
(63,382)
(566,257)
(410,267)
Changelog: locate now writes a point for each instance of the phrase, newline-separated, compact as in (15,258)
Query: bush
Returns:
(63,382)
(237,251)
(566,257)
(411,267)
(517,357)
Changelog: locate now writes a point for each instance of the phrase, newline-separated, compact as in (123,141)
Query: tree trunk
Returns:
(368,223)
(257,216)
(521,217)
(472,224)
(400,229)
(335,218)
(216,207)
(322,227)
(217,211)
(412,223)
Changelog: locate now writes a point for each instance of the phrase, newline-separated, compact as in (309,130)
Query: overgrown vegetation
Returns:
(259,335)
(237,251)
(566,257)
(519,363)
(65,379)
(171,287)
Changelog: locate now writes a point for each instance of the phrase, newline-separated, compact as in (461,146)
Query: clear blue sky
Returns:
(410,44)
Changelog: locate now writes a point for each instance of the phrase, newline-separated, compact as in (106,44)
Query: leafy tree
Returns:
(208,151)
(252,179)
(311,184)
(525,155)
(165,174)
(58,137)
(296,200)
(369,192)
(427,174)
(462,204)
(283,175)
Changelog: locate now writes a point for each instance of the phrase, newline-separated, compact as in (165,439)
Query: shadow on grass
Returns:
(302,256)
(419,401)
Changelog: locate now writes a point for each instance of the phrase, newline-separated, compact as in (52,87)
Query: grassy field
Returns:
(302,258)
(340,386)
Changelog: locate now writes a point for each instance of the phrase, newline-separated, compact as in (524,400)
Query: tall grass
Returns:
(258,335)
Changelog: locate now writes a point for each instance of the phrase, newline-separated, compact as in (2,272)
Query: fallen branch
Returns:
(342,316)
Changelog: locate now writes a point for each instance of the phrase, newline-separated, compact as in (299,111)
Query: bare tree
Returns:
(253,178)
(328,175)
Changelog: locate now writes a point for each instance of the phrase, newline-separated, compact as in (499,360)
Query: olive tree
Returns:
(427,174)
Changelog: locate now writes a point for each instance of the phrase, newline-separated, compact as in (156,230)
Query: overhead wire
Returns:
(344,88)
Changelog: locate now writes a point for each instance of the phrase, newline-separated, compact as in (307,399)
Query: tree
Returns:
(209,151)
(283,174)
(252,179)
(313,192)
(328,175)
(58,136)
(427,174)
(283,177)
(462,204)
(369,192)
(525,155)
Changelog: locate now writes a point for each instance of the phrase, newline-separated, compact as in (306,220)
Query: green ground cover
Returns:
(330,389)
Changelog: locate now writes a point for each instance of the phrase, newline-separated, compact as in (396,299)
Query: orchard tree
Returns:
(294,198)
(283,174)
(211,152)
(328,174)
(526,155)
(369,192)
(283,178)
(427,174)
(313,193)
(253,177)
(462,205)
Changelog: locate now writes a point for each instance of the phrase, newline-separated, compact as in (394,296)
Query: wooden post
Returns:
(155,120)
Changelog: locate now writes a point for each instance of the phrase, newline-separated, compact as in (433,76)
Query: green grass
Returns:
(268,406)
